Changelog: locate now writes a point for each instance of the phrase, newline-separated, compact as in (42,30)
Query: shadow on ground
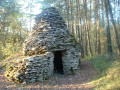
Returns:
(79,81)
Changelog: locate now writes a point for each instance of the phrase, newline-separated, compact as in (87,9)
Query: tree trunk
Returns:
(98,43)
(72,17)
(85,27)
(108,31)
(98,29)
(81,34)
(82,50)
(67,11)
(89,41)
(113,24)
(77,20)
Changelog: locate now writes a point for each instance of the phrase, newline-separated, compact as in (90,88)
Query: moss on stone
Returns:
(72,71)
(15,73)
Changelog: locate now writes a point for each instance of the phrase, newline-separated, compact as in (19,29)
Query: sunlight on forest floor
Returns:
(109,79)
(103,76)
(78,81)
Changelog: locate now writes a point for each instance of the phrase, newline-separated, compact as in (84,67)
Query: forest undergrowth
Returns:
(106,76)
(108,72)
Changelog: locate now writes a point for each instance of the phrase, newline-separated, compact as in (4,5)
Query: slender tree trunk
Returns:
(82,49)
(67,11)
(98,43)
(89,41)
(108,31)
(113,24)
(81,34)
(85,18)
(77,20)
(96,36)
(96,27)
(72,17)
(103,23)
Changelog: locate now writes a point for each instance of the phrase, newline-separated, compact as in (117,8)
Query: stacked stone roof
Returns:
(49,33)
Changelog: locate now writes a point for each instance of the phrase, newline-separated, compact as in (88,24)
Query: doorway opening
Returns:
(58,64)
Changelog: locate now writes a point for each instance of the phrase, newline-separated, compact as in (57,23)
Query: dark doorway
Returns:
(58,65)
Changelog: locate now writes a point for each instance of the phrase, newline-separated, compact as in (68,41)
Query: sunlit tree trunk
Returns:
(72,17)
(81,33)
(85,27)
(98,43)
(103,20)
(77,19)
(89,39)
(67,11)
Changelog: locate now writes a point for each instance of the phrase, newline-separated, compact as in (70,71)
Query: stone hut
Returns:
(49,48)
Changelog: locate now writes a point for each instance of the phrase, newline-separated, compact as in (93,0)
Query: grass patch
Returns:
(102,63)
(108,72)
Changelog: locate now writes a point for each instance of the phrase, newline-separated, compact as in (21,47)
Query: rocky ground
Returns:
(79,81)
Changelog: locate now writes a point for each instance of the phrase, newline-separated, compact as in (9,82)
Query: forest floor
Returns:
(79,81)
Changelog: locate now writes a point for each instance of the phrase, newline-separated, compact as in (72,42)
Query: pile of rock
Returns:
(52,17)
(49,35)
(31,69)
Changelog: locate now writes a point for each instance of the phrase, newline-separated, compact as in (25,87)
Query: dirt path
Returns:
(79,81)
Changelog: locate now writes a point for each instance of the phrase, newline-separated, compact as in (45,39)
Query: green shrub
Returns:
(101,63)
(108,70)
(9,50)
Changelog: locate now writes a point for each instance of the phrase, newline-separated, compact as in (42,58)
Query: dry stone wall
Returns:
(31,69)
(49,34)
(71,60)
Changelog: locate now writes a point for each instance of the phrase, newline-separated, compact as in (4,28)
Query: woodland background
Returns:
(94,23)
